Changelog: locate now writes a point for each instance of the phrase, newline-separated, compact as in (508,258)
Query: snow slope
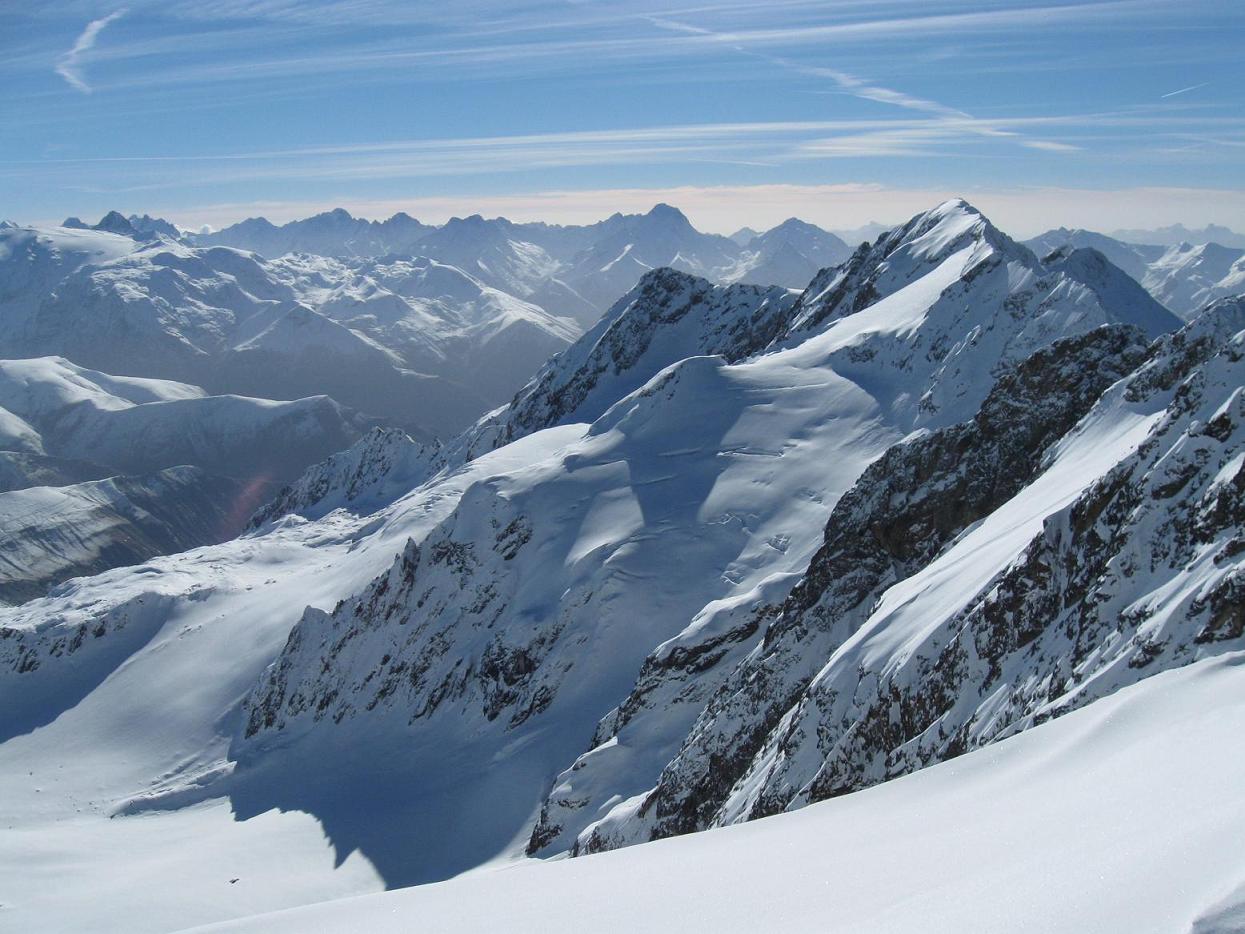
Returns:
(48,534)
(121,694)
(1125,816)
(132,425)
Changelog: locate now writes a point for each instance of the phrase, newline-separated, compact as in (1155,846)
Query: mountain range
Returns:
(573,271)
(578,271)
(1183,277)
(735,551)
(1176,234)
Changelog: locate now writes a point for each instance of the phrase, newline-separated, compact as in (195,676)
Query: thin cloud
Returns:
(951,122)
(1047,145)
(69,64)
(1192,87)
(587,41)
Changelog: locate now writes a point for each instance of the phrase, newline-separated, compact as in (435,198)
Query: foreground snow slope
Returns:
(1125,816)
(122,711)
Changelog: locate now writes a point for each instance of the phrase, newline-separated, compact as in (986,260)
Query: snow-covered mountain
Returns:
(1187,277)
(632,245)
(98,471)
(789,254)
(463,627)
(148,226)
(575,271)
(333,233)
(477,341)
(56,412)
(733,552)
(424,346)
(1133,258)
(1118,559)
(866,233)
(1183,278)
(493,250)
(373,472)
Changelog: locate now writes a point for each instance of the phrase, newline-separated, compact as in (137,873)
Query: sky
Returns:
(1088,113)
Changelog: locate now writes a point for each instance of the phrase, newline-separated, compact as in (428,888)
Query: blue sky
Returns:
(1097,113)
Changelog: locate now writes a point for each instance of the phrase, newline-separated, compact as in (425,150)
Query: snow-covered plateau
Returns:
(937,565)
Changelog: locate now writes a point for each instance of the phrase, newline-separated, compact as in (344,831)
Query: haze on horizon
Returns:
(1096,113)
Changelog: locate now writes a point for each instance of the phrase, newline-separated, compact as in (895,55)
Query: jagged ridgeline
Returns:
(508,615)
(735,550)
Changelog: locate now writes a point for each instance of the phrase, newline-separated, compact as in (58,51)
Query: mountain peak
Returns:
(956,207)
(667,212)
(743,236)
(115,222)
(794,223)
(942,230)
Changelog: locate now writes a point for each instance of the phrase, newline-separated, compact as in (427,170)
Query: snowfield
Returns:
(1125,816)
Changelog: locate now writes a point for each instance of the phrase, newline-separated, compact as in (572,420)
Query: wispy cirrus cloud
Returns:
(422,36)
(1049,145)
(230,100)
(765,145)
(69,65)
(950,122)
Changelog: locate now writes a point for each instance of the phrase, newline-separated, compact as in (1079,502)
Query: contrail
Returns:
(67,66)
(1192,87)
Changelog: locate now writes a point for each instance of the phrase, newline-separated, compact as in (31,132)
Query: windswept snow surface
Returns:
(1124,816)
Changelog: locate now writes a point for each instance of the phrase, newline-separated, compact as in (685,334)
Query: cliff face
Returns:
(1007,597)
